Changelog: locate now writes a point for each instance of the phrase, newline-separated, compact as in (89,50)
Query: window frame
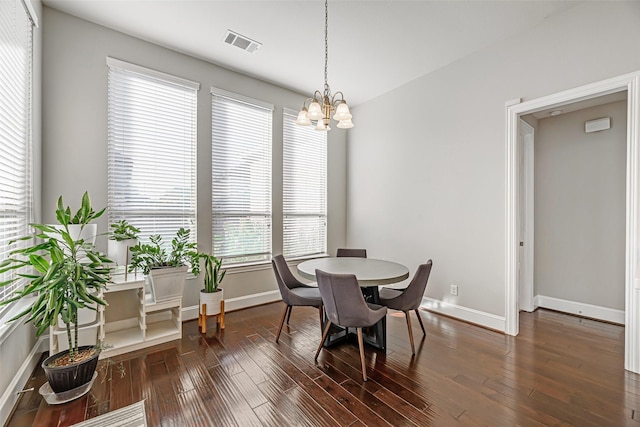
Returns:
(246,212)
(293,207)
(154,216)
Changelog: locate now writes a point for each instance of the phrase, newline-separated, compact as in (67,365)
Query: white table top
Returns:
(368,271)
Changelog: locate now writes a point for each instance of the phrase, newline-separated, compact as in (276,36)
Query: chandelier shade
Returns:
(321,105)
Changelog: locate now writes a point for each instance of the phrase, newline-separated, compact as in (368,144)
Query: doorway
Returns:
(631,84)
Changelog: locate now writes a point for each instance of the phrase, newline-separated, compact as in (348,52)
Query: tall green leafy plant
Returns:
(213,273)
(147,256)
(65,272)
(122,230)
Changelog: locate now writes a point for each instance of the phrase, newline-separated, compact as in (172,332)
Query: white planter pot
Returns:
(88,234)
(119,251)
(167,283)
(212,300)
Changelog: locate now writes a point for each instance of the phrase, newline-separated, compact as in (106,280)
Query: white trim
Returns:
(127,66)
(470,315)
(241,98)
(631,83)
(581,309)
(28,4)
(10,395)
(237,303)
(527,262)
(6,328)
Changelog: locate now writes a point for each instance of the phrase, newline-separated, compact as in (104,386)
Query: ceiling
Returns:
(374,46)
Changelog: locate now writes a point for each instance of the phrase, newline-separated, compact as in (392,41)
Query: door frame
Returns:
(630,83)
(525,288)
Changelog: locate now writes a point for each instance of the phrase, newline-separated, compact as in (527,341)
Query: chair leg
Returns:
(420,320)
(406,314)
(321,312)
(324,337)
(287,308)
(361,346)
(289,316)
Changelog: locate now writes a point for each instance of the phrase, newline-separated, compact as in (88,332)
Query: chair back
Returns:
(282,268)
(285,279)
(343,300)
(412,296)
(354,253)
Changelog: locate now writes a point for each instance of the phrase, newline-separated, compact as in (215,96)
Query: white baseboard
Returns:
(10,395)
(231,304)
(470,315)
(581,309)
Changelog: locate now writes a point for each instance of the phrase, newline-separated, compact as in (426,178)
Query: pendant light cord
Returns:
(326,46)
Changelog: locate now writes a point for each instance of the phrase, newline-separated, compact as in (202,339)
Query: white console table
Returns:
(130,321)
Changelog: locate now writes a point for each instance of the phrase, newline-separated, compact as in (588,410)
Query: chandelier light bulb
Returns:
(321,126)
(302,119)
(345,124)
(315,111)
(342,112)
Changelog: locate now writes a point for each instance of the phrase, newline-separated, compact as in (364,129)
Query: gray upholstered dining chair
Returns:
(345,306)
(410,298)
(354,253)
(293,291)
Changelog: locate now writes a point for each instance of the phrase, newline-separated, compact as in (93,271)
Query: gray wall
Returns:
(580,207)
(75,131)
(426,170)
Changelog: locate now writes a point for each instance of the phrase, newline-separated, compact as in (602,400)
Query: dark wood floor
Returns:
(560,370)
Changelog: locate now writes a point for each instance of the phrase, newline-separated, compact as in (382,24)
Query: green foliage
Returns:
(213,274)
(152,255)
(122,230)
(65,274)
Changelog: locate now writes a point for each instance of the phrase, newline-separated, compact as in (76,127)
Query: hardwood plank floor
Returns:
(561,370)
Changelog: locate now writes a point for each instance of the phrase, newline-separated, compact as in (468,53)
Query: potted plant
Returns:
(123,237)
(166,271)
(66,274)
(212,294)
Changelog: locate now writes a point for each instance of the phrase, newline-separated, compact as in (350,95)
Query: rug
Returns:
(129,416)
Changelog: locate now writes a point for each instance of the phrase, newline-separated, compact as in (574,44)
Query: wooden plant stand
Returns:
(202,318)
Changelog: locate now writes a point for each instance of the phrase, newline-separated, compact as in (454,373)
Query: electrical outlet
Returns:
(454,290)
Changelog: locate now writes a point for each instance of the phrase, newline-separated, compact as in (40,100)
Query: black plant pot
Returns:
(65,378)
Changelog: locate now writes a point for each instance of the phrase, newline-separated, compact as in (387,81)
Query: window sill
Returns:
(245,268)
(6,329)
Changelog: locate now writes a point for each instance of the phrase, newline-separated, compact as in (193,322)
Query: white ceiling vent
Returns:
(241,41)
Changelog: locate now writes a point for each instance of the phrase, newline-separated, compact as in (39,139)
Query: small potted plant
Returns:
(212,294)
(66,274)
(122,237)
(166,271)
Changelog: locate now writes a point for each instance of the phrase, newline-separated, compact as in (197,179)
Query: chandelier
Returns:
(323,104)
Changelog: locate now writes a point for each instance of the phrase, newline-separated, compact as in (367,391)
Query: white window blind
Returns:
(16,29)
(304,188)
(241,178)
(151,150)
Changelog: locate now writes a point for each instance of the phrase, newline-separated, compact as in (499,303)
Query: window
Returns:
(15,132)
(241,178)
(304,188)
(152,150)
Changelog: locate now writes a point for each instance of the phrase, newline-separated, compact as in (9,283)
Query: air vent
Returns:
(241,41)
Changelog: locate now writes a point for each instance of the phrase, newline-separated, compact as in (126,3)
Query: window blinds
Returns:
(16,29)
(304,188)
(151,150)
(241,178)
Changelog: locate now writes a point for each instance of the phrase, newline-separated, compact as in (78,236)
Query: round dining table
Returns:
(370,274)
